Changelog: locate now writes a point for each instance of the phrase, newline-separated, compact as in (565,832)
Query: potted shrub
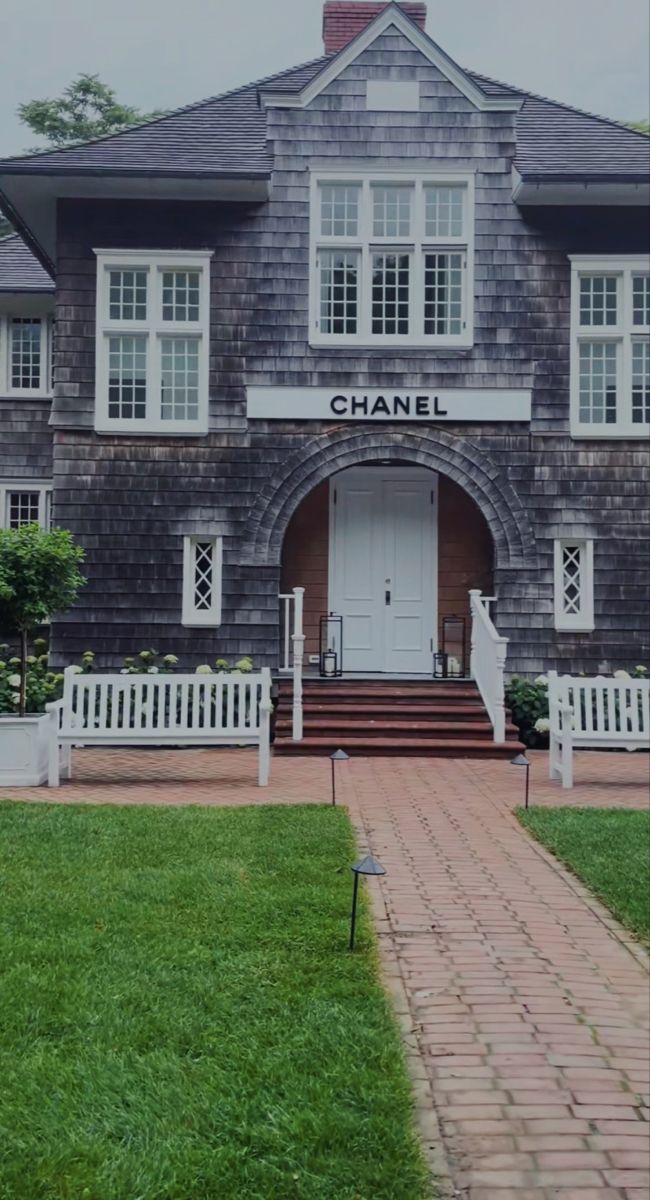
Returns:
(39,576)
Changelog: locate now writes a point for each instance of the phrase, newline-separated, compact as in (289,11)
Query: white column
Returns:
(298,641)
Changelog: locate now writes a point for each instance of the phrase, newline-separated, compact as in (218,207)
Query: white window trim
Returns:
(44,489)
(365,177)
(44,391)
(623,334)
(583,621)
(191,616)
(154,262)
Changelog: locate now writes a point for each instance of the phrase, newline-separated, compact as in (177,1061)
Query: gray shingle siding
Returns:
(131,499)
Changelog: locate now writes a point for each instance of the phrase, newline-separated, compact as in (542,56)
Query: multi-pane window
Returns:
(23,503)
(127,377)
(24,355)
(640,382)
(443,294)
(390,293)
(339,291)
(202,568)
(573,585)
(152,341)
(610,347)
(393,260)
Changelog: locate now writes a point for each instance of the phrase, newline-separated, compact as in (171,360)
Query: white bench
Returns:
(594,713)
(160,710)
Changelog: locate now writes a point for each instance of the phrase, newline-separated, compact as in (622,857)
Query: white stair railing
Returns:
(293,649)
(286,629)
(487,662)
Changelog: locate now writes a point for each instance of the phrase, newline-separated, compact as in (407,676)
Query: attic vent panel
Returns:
(387,95)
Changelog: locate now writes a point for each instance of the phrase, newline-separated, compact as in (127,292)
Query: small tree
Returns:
(39,576)
(87,109)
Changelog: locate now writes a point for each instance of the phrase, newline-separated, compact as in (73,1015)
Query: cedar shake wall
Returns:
(25,439)
(465,554)
(130,499)
(305,557)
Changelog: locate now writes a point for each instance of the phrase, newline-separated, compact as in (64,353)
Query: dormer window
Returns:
(392,260)
(152,341)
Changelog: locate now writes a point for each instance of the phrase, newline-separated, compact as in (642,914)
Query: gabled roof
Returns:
(20,270)
(224,135)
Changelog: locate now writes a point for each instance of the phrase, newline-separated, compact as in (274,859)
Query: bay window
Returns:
(391,259)
(152,341)
(610,346)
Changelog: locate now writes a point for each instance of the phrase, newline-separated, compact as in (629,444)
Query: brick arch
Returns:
(326,454)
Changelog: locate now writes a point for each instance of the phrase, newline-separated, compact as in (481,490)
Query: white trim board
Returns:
(412,403)
(391,17)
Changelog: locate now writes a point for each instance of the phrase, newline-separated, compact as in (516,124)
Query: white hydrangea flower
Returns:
(542,725)
(622,675)
(124,671)
(203,669)
(152,671)
(14,681)
(170,660)
(541,681)
(15,699)
(642,670)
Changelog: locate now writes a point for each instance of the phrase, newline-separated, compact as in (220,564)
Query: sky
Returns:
(166,53)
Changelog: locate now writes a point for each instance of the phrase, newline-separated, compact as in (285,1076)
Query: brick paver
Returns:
(523,1004)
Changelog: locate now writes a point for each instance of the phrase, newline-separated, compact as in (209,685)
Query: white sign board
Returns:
(411,404)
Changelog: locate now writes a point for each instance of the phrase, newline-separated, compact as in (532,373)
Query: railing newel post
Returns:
(298,641)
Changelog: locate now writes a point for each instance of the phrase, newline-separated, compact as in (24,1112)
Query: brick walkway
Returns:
(523,1004)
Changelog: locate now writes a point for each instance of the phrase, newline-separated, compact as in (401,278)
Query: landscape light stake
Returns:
(522,761)
(337,756)
(367,866)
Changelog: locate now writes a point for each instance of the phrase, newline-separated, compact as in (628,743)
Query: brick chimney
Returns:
(344,19)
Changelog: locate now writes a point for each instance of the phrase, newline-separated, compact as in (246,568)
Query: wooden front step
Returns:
(380,717)
(424,747)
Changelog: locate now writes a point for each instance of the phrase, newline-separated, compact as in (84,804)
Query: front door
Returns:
(382,567)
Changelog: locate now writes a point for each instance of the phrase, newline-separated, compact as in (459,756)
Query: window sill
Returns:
(575,628)
(386,346)
(123,430)
(610,432)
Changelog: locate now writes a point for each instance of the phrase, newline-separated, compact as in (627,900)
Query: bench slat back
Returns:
(603,708)
(164,705)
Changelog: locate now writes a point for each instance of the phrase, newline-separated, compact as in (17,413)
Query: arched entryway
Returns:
(394,548)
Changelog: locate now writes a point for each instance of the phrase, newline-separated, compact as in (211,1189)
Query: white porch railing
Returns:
(293,649)
(487,662)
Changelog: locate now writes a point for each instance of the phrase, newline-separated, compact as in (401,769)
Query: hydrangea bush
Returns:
(43,685)
(528,702)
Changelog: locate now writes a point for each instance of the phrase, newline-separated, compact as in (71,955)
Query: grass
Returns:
(608,849)
(180,1018)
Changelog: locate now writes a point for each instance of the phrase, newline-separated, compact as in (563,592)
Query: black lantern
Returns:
(367,866)
(440,666)
(330,658)
(453,646)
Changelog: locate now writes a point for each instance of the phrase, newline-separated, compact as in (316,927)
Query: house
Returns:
(376,326)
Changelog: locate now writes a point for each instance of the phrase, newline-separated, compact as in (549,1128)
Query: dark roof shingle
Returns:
(20,270)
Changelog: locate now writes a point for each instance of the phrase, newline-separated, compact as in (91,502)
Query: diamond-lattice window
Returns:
(202,558)
(574,604)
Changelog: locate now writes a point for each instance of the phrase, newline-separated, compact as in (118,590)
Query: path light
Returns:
(367,866)
(337,756)
(522,761)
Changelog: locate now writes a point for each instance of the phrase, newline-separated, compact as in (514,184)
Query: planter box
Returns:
(24,748)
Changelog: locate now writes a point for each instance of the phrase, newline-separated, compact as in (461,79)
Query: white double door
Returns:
(383,555)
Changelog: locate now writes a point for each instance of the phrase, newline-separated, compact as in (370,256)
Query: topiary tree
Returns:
(39,576)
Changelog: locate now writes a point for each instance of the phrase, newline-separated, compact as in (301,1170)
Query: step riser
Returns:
(317,712)
(296,750)
(367,732)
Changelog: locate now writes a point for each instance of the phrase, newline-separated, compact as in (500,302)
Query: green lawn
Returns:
(609,849)
(180,1018)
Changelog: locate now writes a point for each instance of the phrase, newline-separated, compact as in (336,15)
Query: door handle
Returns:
(387,597)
